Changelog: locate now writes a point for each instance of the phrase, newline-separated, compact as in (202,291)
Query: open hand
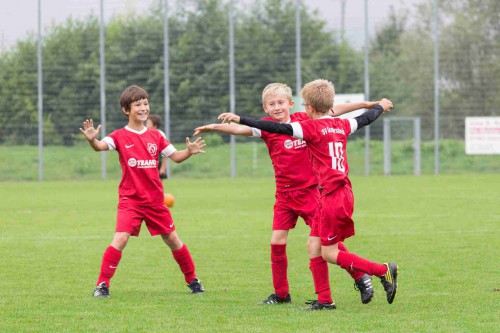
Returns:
(89,131)
(203,129)
(196,146)
(228,117)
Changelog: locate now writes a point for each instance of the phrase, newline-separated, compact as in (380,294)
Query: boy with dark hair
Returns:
(140,190)
(154,122)
(326,139)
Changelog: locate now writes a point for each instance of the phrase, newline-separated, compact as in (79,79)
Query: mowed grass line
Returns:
(443,232)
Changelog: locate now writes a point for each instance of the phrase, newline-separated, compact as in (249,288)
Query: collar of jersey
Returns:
(134,131)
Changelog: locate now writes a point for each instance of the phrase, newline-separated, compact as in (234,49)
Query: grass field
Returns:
(443,231)
(80,162)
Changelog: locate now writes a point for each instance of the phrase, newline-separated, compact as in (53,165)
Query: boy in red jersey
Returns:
(326,139)
(154,122)
(140,190)
(297,194)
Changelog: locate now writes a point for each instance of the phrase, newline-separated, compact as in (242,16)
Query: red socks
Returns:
(279,266)
(355,274)
(319,270)
(110,261)
(186,264)
(352,262)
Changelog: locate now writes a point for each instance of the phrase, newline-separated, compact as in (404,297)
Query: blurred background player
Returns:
(154,122)
(296,195)
(140,190)
(326,139)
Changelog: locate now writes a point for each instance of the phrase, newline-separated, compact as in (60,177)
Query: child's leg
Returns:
(181,255)
(279,263)
(112,257)
(352,262)
(355,274)
(319,270)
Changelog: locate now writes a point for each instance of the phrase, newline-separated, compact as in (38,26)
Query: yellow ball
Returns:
(169,199)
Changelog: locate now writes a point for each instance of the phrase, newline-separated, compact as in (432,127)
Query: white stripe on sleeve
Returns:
(257,133)
(169,150)
(297,130)
(110,142)
(354,125)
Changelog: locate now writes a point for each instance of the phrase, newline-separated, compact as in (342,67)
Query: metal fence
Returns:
(200,58)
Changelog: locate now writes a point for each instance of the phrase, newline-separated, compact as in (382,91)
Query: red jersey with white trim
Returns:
(290,158)
(327,141)
(138,154)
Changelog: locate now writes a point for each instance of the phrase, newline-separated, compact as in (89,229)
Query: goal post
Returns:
(416,143)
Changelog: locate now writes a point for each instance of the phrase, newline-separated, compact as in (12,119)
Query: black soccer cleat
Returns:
(196,286)
(364,286)
(315,305)
(389,281)
(101,291)
(275,299)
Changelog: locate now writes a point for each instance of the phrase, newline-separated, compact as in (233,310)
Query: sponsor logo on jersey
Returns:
(299,143)
(152,148)
(141,164)
(327,130)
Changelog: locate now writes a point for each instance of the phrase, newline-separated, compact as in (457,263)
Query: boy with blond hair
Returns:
(140,190)
(326,139)
(297,195)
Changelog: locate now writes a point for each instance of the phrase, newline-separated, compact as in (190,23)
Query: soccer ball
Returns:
(169,199)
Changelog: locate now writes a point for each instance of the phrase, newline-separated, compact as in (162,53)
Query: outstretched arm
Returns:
(341,109)
(371,115)
(91,133)
(234,129)
(265,125)
(192,149)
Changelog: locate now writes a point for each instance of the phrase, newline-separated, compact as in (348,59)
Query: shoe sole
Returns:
(395,283)
(368,300)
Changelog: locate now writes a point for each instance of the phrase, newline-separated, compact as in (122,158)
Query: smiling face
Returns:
(135,105)
(278,107)
(139,111)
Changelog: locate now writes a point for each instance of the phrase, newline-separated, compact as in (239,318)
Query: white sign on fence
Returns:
(482,135)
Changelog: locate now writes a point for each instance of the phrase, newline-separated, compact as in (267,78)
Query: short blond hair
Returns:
(319,94)
(276,89)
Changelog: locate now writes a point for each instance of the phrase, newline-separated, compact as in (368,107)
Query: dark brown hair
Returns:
(155,120)
(132,94)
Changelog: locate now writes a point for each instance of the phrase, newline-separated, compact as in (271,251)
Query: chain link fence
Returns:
(65,78)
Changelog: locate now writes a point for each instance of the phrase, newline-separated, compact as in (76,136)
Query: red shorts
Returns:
(158,219)
(335,221)
(292,204)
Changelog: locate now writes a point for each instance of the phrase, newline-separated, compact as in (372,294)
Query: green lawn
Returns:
(80,162)
(443,231)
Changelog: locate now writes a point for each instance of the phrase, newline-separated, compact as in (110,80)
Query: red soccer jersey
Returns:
(138,154)
(327,141)
(292,169)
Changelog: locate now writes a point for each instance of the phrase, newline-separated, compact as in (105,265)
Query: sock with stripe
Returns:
(110,261)
(355,274)
(351,262)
